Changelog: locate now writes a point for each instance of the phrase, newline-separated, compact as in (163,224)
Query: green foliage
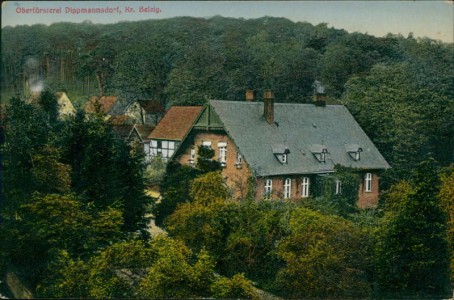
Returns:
(412,250)
(113,273)
(160,268)
(407,122)
(399,89)
(65,277)
(176,184)
(326,200)
(49,175)
(188,216)
(27,134)
(154,171)
(141,73)
(175,188)
(241,236)
(48,102)
(205,161)
(447,202)
(49,223)
(104,170)
(209,194)
(173,276)
(254,230)
(238,287)
(209,188)
(324,256)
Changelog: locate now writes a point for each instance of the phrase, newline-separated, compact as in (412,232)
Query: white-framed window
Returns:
(206,144)
(165,149)
(305,187)
(338,187)
(192,156)
(287,188)
(284,158)
(268,188)
(222,153)
(368,182)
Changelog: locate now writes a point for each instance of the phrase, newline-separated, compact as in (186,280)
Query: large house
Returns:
(282,146)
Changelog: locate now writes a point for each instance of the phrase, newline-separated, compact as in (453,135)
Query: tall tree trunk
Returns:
(62,69)
(100,84)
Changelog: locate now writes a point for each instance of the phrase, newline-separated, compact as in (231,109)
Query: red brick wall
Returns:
(368,199)
(278,187)
(236,176)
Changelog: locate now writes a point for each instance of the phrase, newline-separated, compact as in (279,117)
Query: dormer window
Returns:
(281,153)
(354,151)
(319,152)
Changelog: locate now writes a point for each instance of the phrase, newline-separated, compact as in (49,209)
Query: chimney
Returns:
(319,94)
(268,103)
(249,95)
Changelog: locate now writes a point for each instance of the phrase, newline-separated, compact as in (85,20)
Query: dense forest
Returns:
(75,212)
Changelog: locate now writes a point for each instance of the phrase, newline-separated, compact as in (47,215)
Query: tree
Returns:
(160,268)
(412,251)
(238,287)
(141,73)
(209,194)
(49,104)
(28,151)
(447,202)
(48,174)
(174,190)
(324,256)
(327,200)
(104,169)
(50,223)
(405,121)
(209,188)
(205,161)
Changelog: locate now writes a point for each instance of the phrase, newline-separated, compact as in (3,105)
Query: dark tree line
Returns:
(399,88)
(191,59)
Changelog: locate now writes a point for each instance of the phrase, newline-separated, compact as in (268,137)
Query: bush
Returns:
(236,287)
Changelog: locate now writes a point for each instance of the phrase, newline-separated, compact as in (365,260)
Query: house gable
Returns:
(208,120)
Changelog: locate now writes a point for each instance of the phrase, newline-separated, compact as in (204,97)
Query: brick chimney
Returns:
(319,94)
(268,104)
(249,95)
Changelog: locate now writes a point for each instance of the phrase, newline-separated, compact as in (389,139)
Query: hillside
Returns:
(185,60)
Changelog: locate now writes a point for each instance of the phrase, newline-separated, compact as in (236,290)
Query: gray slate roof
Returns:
(300,128)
